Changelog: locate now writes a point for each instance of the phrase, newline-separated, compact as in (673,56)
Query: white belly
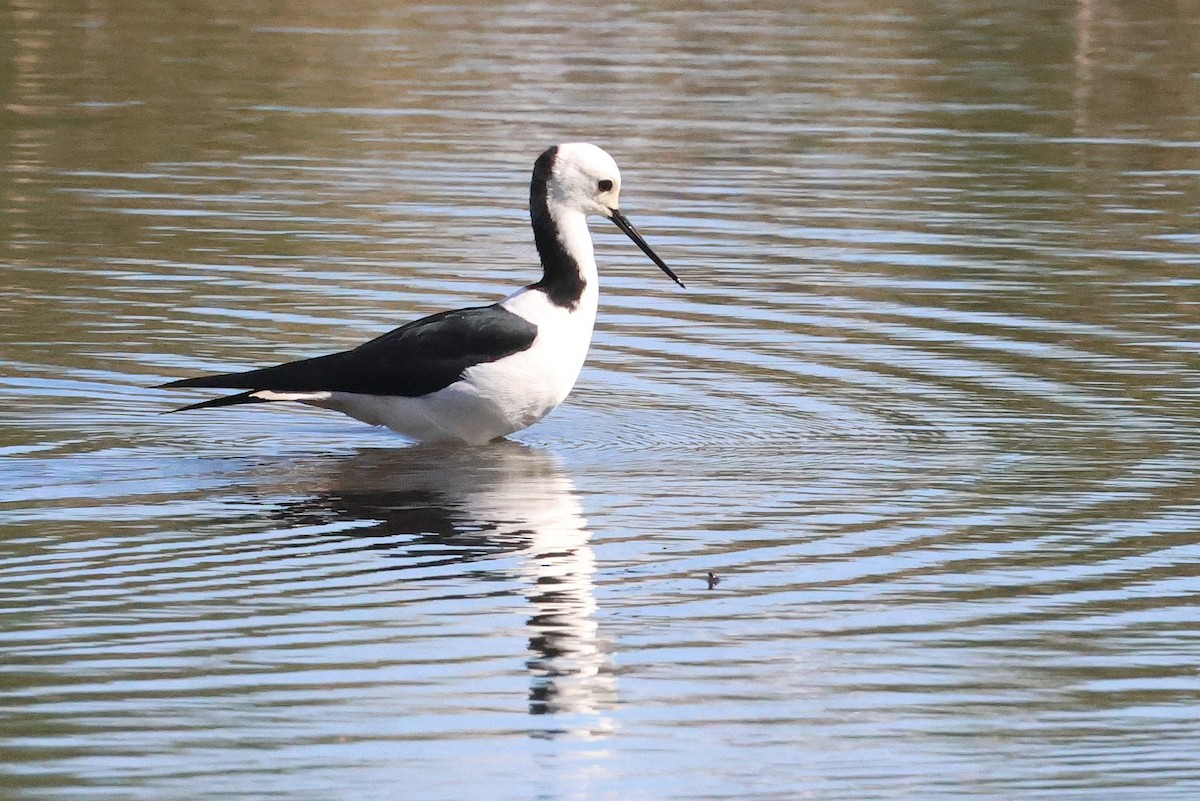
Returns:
(492,399)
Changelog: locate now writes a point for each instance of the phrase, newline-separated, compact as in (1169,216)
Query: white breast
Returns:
(538,379)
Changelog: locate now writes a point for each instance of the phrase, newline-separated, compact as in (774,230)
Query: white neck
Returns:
(576,239)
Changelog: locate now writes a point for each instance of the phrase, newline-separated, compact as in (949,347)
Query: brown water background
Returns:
(929,408)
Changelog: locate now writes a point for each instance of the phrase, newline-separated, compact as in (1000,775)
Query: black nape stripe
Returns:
(561,279)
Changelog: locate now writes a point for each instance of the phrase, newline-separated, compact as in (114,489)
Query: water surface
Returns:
(927,412)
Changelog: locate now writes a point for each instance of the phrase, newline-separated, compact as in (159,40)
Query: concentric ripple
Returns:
(896,500)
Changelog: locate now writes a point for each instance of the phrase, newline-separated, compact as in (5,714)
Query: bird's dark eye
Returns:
(605,185)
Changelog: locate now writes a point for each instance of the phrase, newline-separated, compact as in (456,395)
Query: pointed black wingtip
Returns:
(215,381)
(181,383)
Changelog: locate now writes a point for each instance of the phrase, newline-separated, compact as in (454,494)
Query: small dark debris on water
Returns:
(713,579)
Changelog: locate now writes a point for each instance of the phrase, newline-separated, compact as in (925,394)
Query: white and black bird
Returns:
(476,374)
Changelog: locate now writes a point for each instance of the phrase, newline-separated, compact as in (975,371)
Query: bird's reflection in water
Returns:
(473,504)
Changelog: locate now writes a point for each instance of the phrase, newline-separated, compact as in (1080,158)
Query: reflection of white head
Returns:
(526,498)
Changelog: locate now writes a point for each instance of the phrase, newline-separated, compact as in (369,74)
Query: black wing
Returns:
(418,358)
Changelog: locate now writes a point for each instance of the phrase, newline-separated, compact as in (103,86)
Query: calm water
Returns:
(928,409)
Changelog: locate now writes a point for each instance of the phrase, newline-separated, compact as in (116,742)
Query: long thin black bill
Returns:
(623,223)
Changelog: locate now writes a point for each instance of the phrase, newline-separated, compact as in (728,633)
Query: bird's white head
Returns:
(584,178)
